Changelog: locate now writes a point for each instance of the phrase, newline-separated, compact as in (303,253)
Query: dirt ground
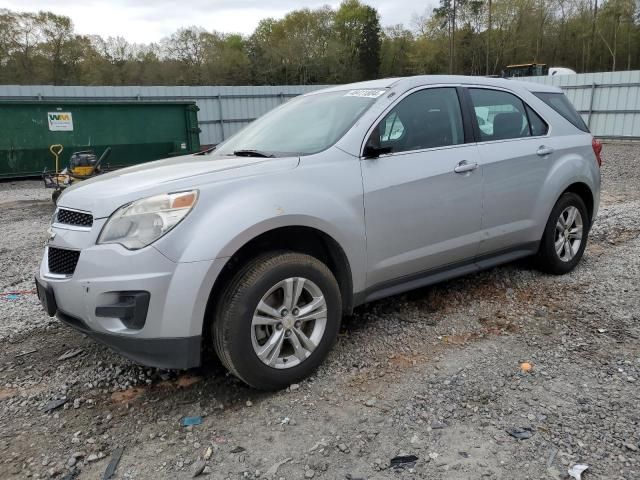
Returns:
(435,373)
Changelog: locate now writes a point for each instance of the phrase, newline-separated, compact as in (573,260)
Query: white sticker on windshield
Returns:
(365,93)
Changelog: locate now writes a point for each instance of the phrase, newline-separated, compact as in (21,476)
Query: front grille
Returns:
(71,217)
(63,262)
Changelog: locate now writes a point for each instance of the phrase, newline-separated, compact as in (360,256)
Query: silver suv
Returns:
(334,199)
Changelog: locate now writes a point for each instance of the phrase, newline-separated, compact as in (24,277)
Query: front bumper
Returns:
(170,334)
(181,353)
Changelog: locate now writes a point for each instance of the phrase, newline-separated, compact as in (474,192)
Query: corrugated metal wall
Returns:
(609,102)
(223,110)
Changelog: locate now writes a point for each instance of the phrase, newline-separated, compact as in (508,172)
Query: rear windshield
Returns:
(562,105)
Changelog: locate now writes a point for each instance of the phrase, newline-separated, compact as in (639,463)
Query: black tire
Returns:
(55,195)
(547,259)
(232,330)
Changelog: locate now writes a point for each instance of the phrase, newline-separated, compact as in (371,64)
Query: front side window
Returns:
(428,118)
(302,126)
(500,115)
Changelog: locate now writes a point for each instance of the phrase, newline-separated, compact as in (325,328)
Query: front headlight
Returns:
(144,221)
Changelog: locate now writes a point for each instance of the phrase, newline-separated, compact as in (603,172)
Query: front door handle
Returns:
(465,166)
(542,151)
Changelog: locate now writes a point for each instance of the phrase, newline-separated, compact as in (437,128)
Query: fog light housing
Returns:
(131,309)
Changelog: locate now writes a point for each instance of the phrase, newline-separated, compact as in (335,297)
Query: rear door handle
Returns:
(465,166)
(542,151)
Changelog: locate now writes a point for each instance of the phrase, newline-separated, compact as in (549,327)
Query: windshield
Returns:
(302,126)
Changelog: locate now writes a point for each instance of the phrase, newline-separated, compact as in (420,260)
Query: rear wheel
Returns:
(565,235)
(277,319)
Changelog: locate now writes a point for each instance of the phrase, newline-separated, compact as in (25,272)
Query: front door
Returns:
(423,193)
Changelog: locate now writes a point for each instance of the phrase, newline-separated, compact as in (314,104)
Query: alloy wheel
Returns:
(289,323)
(568,233)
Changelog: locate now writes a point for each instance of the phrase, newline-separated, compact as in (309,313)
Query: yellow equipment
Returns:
(82,165)
(526,70)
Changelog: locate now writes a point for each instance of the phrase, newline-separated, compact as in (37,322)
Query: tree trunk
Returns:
(593,34)
(450,32)
(488,39)
(615,44)
(453,39)
(629,46)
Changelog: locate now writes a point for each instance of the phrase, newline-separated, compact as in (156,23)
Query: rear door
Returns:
(423,197)
(516,154)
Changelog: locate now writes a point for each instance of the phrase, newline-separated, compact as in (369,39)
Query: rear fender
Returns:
(575,165)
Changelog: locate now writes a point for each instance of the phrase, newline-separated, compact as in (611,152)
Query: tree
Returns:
(226,60)
(446,13)
(8,35)
(57,38)
(613,14)
(115,54)
(188,47)
(357,27)
(328,45)
(300,48)
(396,52)
(27,39)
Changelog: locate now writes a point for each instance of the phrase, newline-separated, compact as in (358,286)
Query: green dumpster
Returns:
(137,132)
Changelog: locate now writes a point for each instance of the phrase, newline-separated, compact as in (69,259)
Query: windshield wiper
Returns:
(252,153)
(207,151)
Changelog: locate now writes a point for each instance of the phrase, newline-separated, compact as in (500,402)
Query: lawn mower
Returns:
(82,165)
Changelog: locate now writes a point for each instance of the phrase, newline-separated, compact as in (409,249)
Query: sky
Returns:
(145,21)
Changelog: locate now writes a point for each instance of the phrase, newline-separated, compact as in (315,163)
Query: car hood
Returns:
(103,194)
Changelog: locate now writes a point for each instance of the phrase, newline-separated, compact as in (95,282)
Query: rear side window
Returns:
(500,115)
(561,104)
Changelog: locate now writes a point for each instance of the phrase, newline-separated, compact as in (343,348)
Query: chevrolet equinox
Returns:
(336,198)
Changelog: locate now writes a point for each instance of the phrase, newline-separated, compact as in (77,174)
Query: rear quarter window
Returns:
(561,104)
(538,125)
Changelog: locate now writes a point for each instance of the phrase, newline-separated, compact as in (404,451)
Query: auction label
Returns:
(365,93)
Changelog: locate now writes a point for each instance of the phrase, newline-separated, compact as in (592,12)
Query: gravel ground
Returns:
(435,373)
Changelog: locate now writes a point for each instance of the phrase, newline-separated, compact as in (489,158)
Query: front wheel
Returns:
(565,235)
(277,319)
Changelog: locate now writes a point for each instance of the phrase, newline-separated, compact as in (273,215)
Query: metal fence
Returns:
(223,110)
(609,102)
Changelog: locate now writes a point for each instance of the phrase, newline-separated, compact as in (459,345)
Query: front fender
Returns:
(230,215)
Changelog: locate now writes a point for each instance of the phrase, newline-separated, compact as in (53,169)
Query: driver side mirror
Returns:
(374,152)
(372,148)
